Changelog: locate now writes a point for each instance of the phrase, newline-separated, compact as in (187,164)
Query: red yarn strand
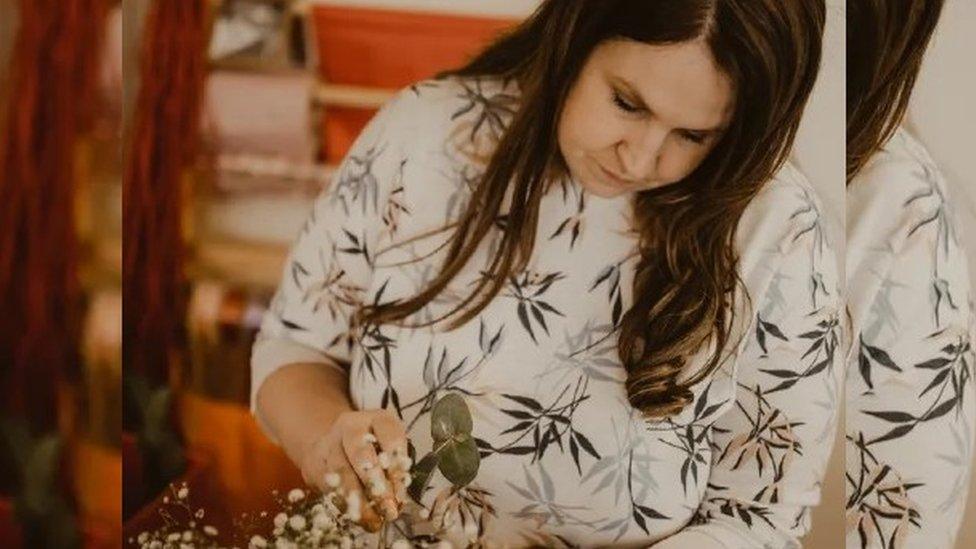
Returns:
(52,87)
(163,145)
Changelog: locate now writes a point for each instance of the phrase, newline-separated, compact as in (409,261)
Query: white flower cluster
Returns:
(326,521)
(193,536)
(333,520)
(318,524)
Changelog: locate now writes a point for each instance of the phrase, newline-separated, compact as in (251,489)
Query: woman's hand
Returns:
(364,456)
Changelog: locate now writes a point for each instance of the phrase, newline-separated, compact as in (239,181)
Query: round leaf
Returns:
(459,460)
(449,417)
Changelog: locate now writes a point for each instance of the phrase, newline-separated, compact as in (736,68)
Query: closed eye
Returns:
(688,135)
(694,137)
(624,105)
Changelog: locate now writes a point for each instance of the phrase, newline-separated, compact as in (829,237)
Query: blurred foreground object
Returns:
(48,107)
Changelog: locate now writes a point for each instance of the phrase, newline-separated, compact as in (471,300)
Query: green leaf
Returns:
(420,475)
(459,460)
(450,417)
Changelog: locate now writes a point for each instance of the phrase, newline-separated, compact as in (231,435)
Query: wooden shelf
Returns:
(357,97)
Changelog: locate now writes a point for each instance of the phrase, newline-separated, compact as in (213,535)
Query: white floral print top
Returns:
(910,410)
(565,460)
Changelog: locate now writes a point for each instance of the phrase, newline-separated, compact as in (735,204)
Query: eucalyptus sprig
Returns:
(454,453)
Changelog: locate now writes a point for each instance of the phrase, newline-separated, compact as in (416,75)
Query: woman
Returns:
(578,233)
(910,402)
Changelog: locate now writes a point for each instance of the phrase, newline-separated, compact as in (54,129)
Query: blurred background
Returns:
(225,134)
(60,326)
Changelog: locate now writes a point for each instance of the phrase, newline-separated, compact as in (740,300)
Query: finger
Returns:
(362,456)
(352,492)
(392,437)
(390,432)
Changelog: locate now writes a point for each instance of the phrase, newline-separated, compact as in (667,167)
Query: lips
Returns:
(615,179)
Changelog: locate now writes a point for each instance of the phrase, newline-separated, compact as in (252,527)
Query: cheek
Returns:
(587,126)
(679,160)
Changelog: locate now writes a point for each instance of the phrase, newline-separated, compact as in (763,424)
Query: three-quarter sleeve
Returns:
(329,268)
(910,396)
(770,449)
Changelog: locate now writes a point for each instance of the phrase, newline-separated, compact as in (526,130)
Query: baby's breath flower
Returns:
(322,521)
(297,522)
(280,520)
(296,495)
(282,543)
(354,509)
(377,484)
(210,530)
(333,480)
(257,542)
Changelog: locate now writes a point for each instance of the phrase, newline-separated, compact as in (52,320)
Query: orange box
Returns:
(388,49)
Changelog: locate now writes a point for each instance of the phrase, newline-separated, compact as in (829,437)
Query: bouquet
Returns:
(306,519)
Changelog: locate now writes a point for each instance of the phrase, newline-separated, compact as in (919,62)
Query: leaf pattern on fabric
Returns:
(566,461)
(910,389)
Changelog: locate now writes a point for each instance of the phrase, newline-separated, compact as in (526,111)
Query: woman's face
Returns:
(642,116)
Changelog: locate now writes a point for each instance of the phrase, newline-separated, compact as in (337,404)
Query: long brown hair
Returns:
(886,42)
(686,275)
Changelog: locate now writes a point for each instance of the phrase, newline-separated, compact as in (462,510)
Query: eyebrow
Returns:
(641,103)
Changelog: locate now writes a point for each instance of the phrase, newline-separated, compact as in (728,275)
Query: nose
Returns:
(640,152)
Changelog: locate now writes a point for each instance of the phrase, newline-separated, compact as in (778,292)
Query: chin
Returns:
(604,190)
